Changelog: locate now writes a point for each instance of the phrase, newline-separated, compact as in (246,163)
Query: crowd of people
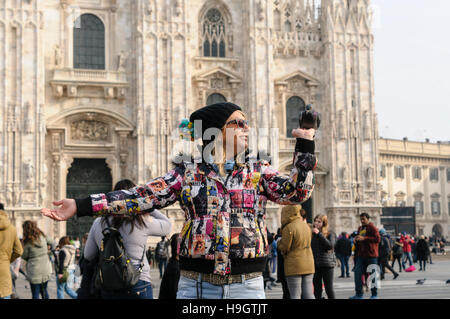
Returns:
(224,249)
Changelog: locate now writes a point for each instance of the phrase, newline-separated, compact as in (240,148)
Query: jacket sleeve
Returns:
(327,243)
(285,242)
(374,237)
(156,194)
(26,252)
(17,250)
(91,249)
(158,224)
(298,186)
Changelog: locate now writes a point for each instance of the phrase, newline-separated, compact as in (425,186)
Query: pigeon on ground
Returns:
(420,281)
(448,281)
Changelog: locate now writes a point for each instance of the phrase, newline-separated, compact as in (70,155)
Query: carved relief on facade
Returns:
(28,171)
(218,80)
(89,130)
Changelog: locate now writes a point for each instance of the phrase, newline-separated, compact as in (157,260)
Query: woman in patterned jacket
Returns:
(223,244)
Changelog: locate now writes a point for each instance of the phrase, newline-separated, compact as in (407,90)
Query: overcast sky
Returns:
(412,68)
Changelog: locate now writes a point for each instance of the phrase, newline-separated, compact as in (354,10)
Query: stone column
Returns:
(389,177)
(444,206)
(426,193)
(409,201)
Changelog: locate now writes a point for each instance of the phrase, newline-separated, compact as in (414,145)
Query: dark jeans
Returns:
(399,259)
(162,266)
(325,274)
(344,265)
(360,269)
(142,290)
(39,289)
(384,263)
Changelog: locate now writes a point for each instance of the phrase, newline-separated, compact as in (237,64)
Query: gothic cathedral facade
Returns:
(104,83)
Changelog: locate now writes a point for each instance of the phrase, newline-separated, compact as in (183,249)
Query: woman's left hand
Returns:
(304,133)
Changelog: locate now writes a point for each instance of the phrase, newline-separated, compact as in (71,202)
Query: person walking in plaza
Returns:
(134,230)
(366,251)
(65,268)
(397,253)
(423,250)
(322,243)
(223,242)
(295,247)
(281,278)
(162,254)
(343,251)
(35,253)
(406,241)
(169,283)
(10,250)
(384,252)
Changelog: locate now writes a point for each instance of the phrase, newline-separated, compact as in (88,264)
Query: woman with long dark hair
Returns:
(223,191)
(35,253)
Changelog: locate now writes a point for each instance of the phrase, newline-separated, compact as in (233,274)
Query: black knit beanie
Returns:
(214,115)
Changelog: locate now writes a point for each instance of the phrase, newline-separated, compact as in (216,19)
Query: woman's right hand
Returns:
(67,210)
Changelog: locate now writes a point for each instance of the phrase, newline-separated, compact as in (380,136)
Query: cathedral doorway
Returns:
(437,231)
(86,176)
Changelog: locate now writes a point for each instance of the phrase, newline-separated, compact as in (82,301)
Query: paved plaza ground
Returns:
(404,287)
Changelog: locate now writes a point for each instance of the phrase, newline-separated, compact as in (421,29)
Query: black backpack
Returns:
(114,270)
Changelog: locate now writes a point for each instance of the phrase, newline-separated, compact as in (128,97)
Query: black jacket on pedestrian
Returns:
(397,250)
(423,251)
(343,247)
(384,248)
(323,249)
(169,282)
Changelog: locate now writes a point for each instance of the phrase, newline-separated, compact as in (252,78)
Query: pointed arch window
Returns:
(89,43)
(294,106)
(214,34)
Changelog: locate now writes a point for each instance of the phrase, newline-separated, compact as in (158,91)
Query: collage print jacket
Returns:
(224,230)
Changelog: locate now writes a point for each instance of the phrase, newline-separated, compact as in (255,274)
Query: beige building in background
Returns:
(417,174)
(91,91)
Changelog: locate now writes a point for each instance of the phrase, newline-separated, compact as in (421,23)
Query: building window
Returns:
(215,98)
(399,172)
(434,174)
(418,204)
(214,34)
(435,207)
(294,106)
(417,172)
(448,175)
(382,170)
(89,43)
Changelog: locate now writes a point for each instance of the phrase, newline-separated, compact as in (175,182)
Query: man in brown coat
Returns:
(10,250)
(295,245)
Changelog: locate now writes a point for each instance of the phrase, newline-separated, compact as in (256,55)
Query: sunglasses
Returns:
(242,124)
